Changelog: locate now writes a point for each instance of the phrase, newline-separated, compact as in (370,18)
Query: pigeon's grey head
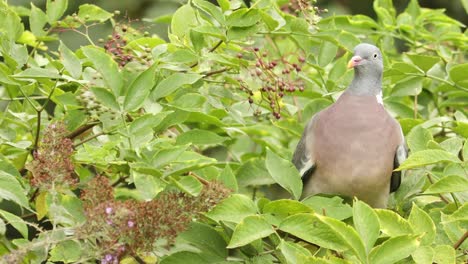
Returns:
(367,59)
(368,68)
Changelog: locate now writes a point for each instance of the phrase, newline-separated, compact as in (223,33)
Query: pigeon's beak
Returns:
(355,60)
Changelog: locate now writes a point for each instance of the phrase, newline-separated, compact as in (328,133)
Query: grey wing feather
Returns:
(302,159)
(400,156)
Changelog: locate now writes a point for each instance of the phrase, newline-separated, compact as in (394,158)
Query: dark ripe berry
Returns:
(117,36)
(257,64)
(274,63)
(255,49)
(298,69)
(292,88)
(272,104)
(301,59)
(106,47)
(270,97)
(264,89)
(124,28)
(250,100)
(294,65)
(239,55)
(301,88)
(277,115)
(258,72)
(280,94)
(264,54)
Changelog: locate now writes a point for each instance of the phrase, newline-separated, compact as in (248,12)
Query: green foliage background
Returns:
(157,116)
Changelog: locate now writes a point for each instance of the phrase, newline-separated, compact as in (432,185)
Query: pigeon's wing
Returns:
(401,154)
(303,158)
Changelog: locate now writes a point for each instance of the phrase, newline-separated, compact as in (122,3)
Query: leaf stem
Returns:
(461,240)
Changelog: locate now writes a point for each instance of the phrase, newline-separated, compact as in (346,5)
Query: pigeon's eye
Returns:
(375,55)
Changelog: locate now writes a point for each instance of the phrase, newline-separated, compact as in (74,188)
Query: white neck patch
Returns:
(379,98)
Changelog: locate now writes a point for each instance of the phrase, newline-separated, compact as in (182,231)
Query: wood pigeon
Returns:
(352,147)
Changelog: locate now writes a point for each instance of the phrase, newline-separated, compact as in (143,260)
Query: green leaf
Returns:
(243,17)
(444,254)
(55,9)
(69,60)
(293,251)
(66,251)
(465,151)
(284,173)
(105,97)
(409,86)
(18,223)
(366,223)
(211,9)
(233,209)
(174,82)
(146,122)
(140,89)
(394,249)
(327,53)
(422,224)
(331,207)
(189,185)
(37,21)
(458,73)
(465,5)
(250,229)
(11,189)
(423,255)
(149,186)
(283,208)
(418,138)
(392,224)
(205,238)
(2,227)
(228,178)
(325,232)
(224,4)
(89,12)
(424,62)
(104,64)
(447,184)
(10,23)
(184,257)
(427,157)
(41,205)
(182,20)
(200,137)
(36,72)
(452,145)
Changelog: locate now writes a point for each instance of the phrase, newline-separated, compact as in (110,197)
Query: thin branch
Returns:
(415,106)
(440,195)
(88,139)
(38,131)
(216,46)
(81,130)
(216,71)
(119,181)
(211,50)
(22,98)
(461,240)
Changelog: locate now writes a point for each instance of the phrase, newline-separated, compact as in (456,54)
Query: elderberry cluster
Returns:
(127,228)
(277,78)
(311,13)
